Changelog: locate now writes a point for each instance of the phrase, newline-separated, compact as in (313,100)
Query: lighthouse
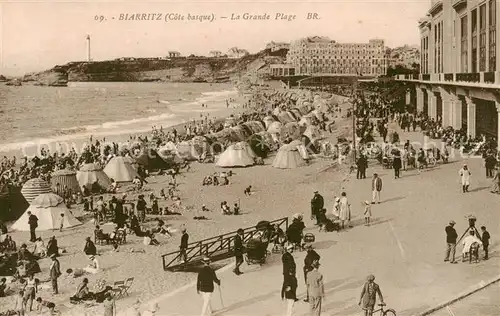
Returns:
(88,47)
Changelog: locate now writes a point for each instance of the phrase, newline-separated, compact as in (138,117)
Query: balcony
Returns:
(459,4)
(487,80)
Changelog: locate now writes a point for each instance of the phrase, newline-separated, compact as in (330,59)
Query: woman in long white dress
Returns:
(345,210)
(465,178)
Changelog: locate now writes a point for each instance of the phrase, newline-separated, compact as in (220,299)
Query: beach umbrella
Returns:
(193,148)
(65,178)
(48,208)
(275,128)
(33,188)
(238,133)
(254,126)
(259,145)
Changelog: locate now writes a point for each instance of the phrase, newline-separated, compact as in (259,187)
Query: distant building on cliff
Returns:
(174,54)
(236,52)
(215,53)
(275,46)
(322,56)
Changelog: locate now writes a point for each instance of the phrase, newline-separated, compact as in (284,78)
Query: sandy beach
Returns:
(276,193)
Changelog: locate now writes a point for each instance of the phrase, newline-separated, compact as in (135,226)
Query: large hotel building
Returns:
(317,56)
(459,82)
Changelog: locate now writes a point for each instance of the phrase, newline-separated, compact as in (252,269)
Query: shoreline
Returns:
(29,148)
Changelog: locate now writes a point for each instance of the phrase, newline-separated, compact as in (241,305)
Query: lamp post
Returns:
(354,103)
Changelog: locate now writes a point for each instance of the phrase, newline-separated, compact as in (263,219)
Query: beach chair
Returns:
(118,289)
(126,286)
(100,240)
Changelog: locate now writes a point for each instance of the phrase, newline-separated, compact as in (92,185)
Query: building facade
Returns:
(275,46)
(459,82)
(322,56)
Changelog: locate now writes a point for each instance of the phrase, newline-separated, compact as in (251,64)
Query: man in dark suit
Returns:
(288,261)
(205,285)
(361,164)
(238,251)
(54,272)
(184,245)
(451,242)
(317,203)
(33,223)
(485,238)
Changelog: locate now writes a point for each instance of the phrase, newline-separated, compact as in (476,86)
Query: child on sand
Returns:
(20,303)
(368,212)
(61,222)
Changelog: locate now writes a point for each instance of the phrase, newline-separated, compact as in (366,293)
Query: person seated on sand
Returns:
(23,254)
(89,248)
(40,249)
(113,187)
(3,287)
(85,191)
(160,228)
(76,273)
(248,190)
(207,180)
(99,234)
(82,292)
(93,266)
(154,207)
(41,304)
(137,183)
(225,208)
(225,180)
(259,161)
(52,247)
(215,180)
(236,209)
(149,239)
(9,244)
(204,208)
(162,194)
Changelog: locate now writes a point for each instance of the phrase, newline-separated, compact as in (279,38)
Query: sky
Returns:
(36,35)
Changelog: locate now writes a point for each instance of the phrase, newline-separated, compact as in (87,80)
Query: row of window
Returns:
(352,70)
(340,62)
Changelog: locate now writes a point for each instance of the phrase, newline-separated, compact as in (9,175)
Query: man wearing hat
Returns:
(289,266)
(315,289)
(238,251)
(376,188)
(184,245)
(369,295)
(451,242)
(317,204)
(311,257)
(205,285)
(54,272)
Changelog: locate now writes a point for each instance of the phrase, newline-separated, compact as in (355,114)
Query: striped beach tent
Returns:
(33,188)
(65,178)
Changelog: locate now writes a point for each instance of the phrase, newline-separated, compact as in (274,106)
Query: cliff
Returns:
(179,69)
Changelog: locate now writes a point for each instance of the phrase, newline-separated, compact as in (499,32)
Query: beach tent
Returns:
(33,188)
(247,148)
(239,134)
(296,113)
(151,160)
(268,120)
(301,148)
(193,148)
(120,169)
(275,128)
(48,207)
(254,126)
(90,173)
(292,114)
(285,117)
(65,178)
(288,157)
(235,155)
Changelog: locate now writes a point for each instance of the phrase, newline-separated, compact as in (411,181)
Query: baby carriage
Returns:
(256,252)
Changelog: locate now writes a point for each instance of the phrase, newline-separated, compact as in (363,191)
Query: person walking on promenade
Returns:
(489,163)
(184,245)
(289,292)
(289,266)
(205,285)
(376,188)
(495,185)
(485,238)
(238,251)
(317,204)
(345,210)
(369,294)
(367,213)
(465,178)
(451,242)
(33,223)
(54,272)
(311,257)
(361,165)
(316,289)
(397,164)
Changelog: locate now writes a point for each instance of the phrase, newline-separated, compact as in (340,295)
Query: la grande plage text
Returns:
(210,17)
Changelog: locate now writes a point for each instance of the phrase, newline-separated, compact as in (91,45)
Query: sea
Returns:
(33,115)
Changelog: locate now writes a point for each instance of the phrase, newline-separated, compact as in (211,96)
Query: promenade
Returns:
(404,248)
